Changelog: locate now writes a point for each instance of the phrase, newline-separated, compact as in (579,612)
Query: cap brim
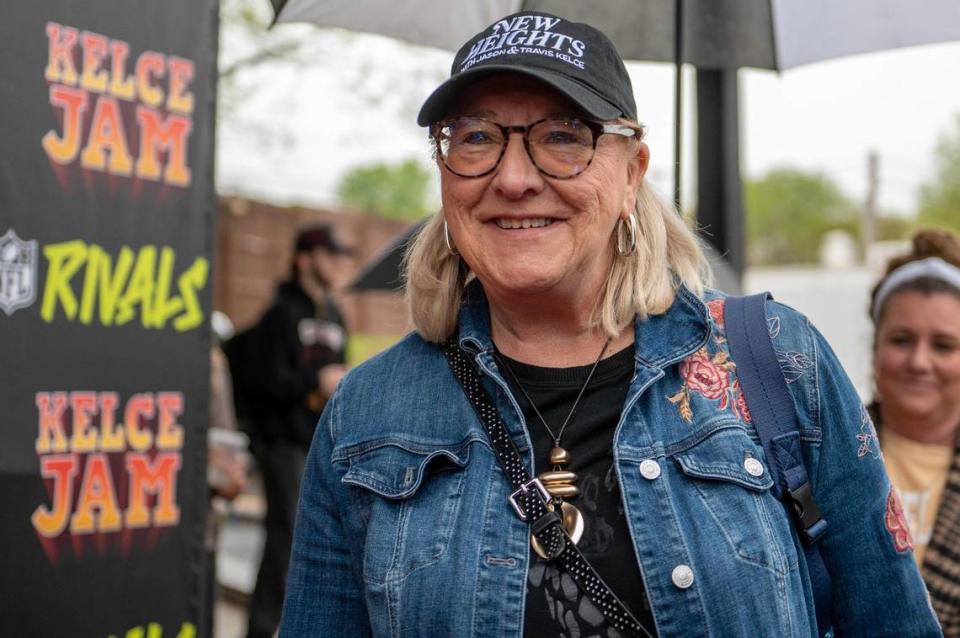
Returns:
(437,105)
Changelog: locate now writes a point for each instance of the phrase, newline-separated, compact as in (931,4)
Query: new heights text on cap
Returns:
(574,58)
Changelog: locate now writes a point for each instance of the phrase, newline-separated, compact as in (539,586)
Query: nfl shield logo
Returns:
(18,272)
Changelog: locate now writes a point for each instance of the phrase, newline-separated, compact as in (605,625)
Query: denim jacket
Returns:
(404,528)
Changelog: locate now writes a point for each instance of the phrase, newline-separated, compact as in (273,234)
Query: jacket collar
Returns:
(660,340)
(666,338)
(474,320)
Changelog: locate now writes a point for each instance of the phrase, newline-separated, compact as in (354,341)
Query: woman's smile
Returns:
(525,223)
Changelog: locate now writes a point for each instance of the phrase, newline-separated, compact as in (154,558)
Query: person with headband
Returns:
(916,365)
(563,448)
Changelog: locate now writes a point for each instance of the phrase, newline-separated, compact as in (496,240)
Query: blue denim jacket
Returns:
(404,527)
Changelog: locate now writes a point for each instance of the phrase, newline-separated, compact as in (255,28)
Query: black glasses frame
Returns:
(597,128)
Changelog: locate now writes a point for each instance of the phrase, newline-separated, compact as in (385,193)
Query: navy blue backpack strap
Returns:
(775,419)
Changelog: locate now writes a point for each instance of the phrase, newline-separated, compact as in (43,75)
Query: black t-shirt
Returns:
(280,362)
(555,605)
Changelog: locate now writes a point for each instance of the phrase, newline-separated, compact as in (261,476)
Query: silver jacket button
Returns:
(649,469)
(682,576)
(753,467)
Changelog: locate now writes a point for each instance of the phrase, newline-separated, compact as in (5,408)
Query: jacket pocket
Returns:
(410,496)
(732,484)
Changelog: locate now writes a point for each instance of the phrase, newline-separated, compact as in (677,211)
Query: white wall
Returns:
(836,302)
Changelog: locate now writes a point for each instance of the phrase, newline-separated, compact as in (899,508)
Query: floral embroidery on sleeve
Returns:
(867,437)
(794,365)
(896,522)
(773,326)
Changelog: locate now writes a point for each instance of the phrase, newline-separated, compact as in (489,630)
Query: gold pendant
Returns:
(558,456)
(572,524)
(560,484)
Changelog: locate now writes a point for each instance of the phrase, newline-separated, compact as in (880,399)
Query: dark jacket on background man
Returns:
(282,356)
(286,350)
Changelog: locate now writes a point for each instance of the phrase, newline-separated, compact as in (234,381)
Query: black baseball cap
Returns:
(572,57)
(320,237)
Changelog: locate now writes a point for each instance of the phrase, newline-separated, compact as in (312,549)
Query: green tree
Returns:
(788,211)
(399,191)
(894,227)
(940,198)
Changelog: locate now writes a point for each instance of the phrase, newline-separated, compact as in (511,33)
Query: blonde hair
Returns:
(641,284)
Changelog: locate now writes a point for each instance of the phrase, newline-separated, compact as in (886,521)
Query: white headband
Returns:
(932,267)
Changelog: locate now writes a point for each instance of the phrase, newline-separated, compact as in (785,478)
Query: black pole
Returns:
(278,6)
(719,191)
(678,99)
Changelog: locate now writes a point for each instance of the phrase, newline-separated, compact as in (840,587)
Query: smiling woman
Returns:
(916,309)
(524,235)
(540,214)
(564,328)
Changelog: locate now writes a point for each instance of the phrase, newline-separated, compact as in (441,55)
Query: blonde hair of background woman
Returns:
(641,284)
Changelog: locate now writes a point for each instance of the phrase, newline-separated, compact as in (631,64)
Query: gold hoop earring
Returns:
(446,239)
(632,229)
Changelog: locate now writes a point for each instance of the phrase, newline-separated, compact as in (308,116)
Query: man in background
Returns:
(294,359)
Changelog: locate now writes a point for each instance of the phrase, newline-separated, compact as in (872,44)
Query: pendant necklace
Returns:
(560,483)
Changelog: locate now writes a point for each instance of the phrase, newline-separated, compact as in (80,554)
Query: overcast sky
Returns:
(295,130)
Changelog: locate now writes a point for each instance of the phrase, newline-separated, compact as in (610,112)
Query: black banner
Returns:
(106,236)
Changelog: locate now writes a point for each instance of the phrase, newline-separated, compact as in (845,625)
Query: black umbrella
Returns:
(709,34)
(716,36)
(383,271)
(764,34)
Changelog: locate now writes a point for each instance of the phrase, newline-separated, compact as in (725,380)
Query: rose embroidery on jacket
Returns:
(707,376)
(896,522)
(740,405)
(715,307)
(712,378)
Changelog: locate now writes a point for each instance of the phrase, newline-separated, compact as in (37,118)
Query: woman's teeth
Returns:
(511,224)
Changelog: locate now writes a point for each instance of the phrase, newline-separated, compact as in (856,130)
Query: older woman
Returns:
(563,328)
(916,310)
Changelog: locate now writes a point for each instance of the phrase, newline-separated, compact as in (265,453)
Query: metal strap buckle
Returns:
(534,482)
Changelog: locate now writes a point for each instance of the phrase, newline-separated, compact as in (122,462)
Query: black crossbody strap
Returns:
(532,503)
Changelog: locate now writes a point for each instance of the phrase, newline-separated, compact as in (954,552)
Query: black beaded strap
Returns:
(532,503)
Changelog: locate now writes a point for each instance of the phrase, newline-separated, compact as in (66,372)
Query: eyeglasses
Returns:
(560,148)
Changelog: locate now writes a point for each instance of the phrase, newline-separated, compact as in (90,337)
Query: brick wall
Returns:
(253,253)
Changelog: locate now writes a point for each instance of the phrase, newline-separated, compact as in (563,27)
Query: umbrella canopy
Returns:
(717,36)
(765,34)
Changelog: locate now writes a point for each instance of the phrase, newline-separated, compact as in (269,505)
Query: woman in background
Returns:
(916,311)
